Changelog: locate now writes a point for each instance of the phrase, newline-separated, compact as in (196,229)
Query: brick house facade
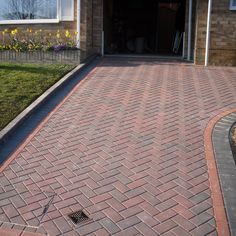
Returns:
(222,49)
(223,33)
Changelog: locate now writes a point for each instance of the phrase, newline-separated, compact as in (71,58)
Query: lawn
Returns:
(21,84)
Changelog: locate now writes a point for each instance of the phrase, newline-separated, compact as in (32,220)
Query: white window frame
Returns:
(20,22)
(232,7)
(42,21)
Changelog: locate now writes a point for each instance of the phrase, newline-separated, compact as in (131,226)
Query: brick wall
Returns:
(97,24)
(91,26)
(223,33)
(49,30)
(83,25)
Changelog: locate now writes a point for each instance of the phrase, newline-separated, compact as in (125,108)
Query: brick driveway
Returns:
(127,147)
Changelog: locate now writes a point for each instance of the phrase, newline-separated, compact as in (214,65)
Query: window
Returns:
(232,4)
(35,11)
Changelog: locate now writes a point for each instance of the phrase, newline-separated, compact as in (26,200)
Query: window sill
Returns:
(18,22)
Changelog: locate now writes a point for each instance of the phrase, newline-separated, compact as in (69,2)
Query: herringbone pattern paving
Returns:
(127,148)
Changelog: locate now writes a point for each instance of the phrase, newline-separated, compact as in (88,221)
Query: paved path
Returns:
(126,147)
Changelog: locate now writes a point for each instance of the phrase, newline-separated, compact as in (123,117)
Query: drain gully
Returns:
(78,217)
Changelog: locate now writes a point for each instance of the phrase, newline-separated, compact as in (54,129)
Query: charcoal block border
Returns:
(226,166)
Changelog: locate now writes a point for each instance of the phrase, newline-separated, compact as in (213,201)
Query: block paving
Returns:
(126,146)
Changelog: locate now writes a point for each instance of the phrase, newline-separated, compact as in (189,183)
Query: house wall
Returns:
(91,26)
(97,25)
(85,25)
(223,30)
(223,33)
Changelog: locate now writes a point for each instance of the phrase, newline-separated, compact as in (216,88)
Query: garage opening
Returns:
(144,26)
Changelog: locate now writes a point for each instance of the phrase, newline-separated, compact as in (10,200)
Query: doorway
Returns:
(144,26)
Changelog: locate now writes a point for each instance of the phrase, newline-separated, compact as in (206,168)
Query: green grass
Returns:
(21,84)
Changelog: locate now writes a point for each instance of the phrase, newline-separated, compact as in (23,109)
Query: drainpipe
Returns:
(102,50)
(102,35)
(183,51)
(190,5)
(208,32)
(78,22)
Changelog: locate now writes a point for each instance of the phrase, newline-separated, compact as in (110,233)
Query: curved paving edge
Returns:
(4,133)
(226,166)
(215,185)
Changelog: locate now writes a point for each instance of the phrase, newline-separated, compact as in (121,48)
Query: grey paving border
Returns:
(226,166)
(4,133)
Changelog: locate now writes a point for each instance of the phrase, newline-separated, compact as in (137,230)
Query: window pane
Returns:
(28,9)
(67,9)
(234,3)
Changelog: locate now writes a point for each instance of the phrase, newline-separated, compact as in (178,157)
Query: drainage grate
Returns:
(78,217)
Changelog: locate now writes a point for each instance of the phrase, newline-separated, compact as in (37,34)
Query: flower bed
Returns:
(43,40)
(39,46)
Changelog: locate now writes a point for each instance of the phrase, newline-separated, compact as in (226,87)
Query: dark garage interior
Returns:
(144,26)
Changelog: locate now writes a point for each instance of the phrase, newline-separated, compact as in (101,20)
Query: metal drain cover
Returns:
(78,217)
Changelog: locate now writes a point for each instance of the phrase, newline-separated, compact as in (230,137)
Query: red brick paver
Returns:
(127,147)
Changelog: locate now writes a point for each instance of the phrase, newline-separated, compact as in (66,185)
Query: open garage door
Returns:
(144,26)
